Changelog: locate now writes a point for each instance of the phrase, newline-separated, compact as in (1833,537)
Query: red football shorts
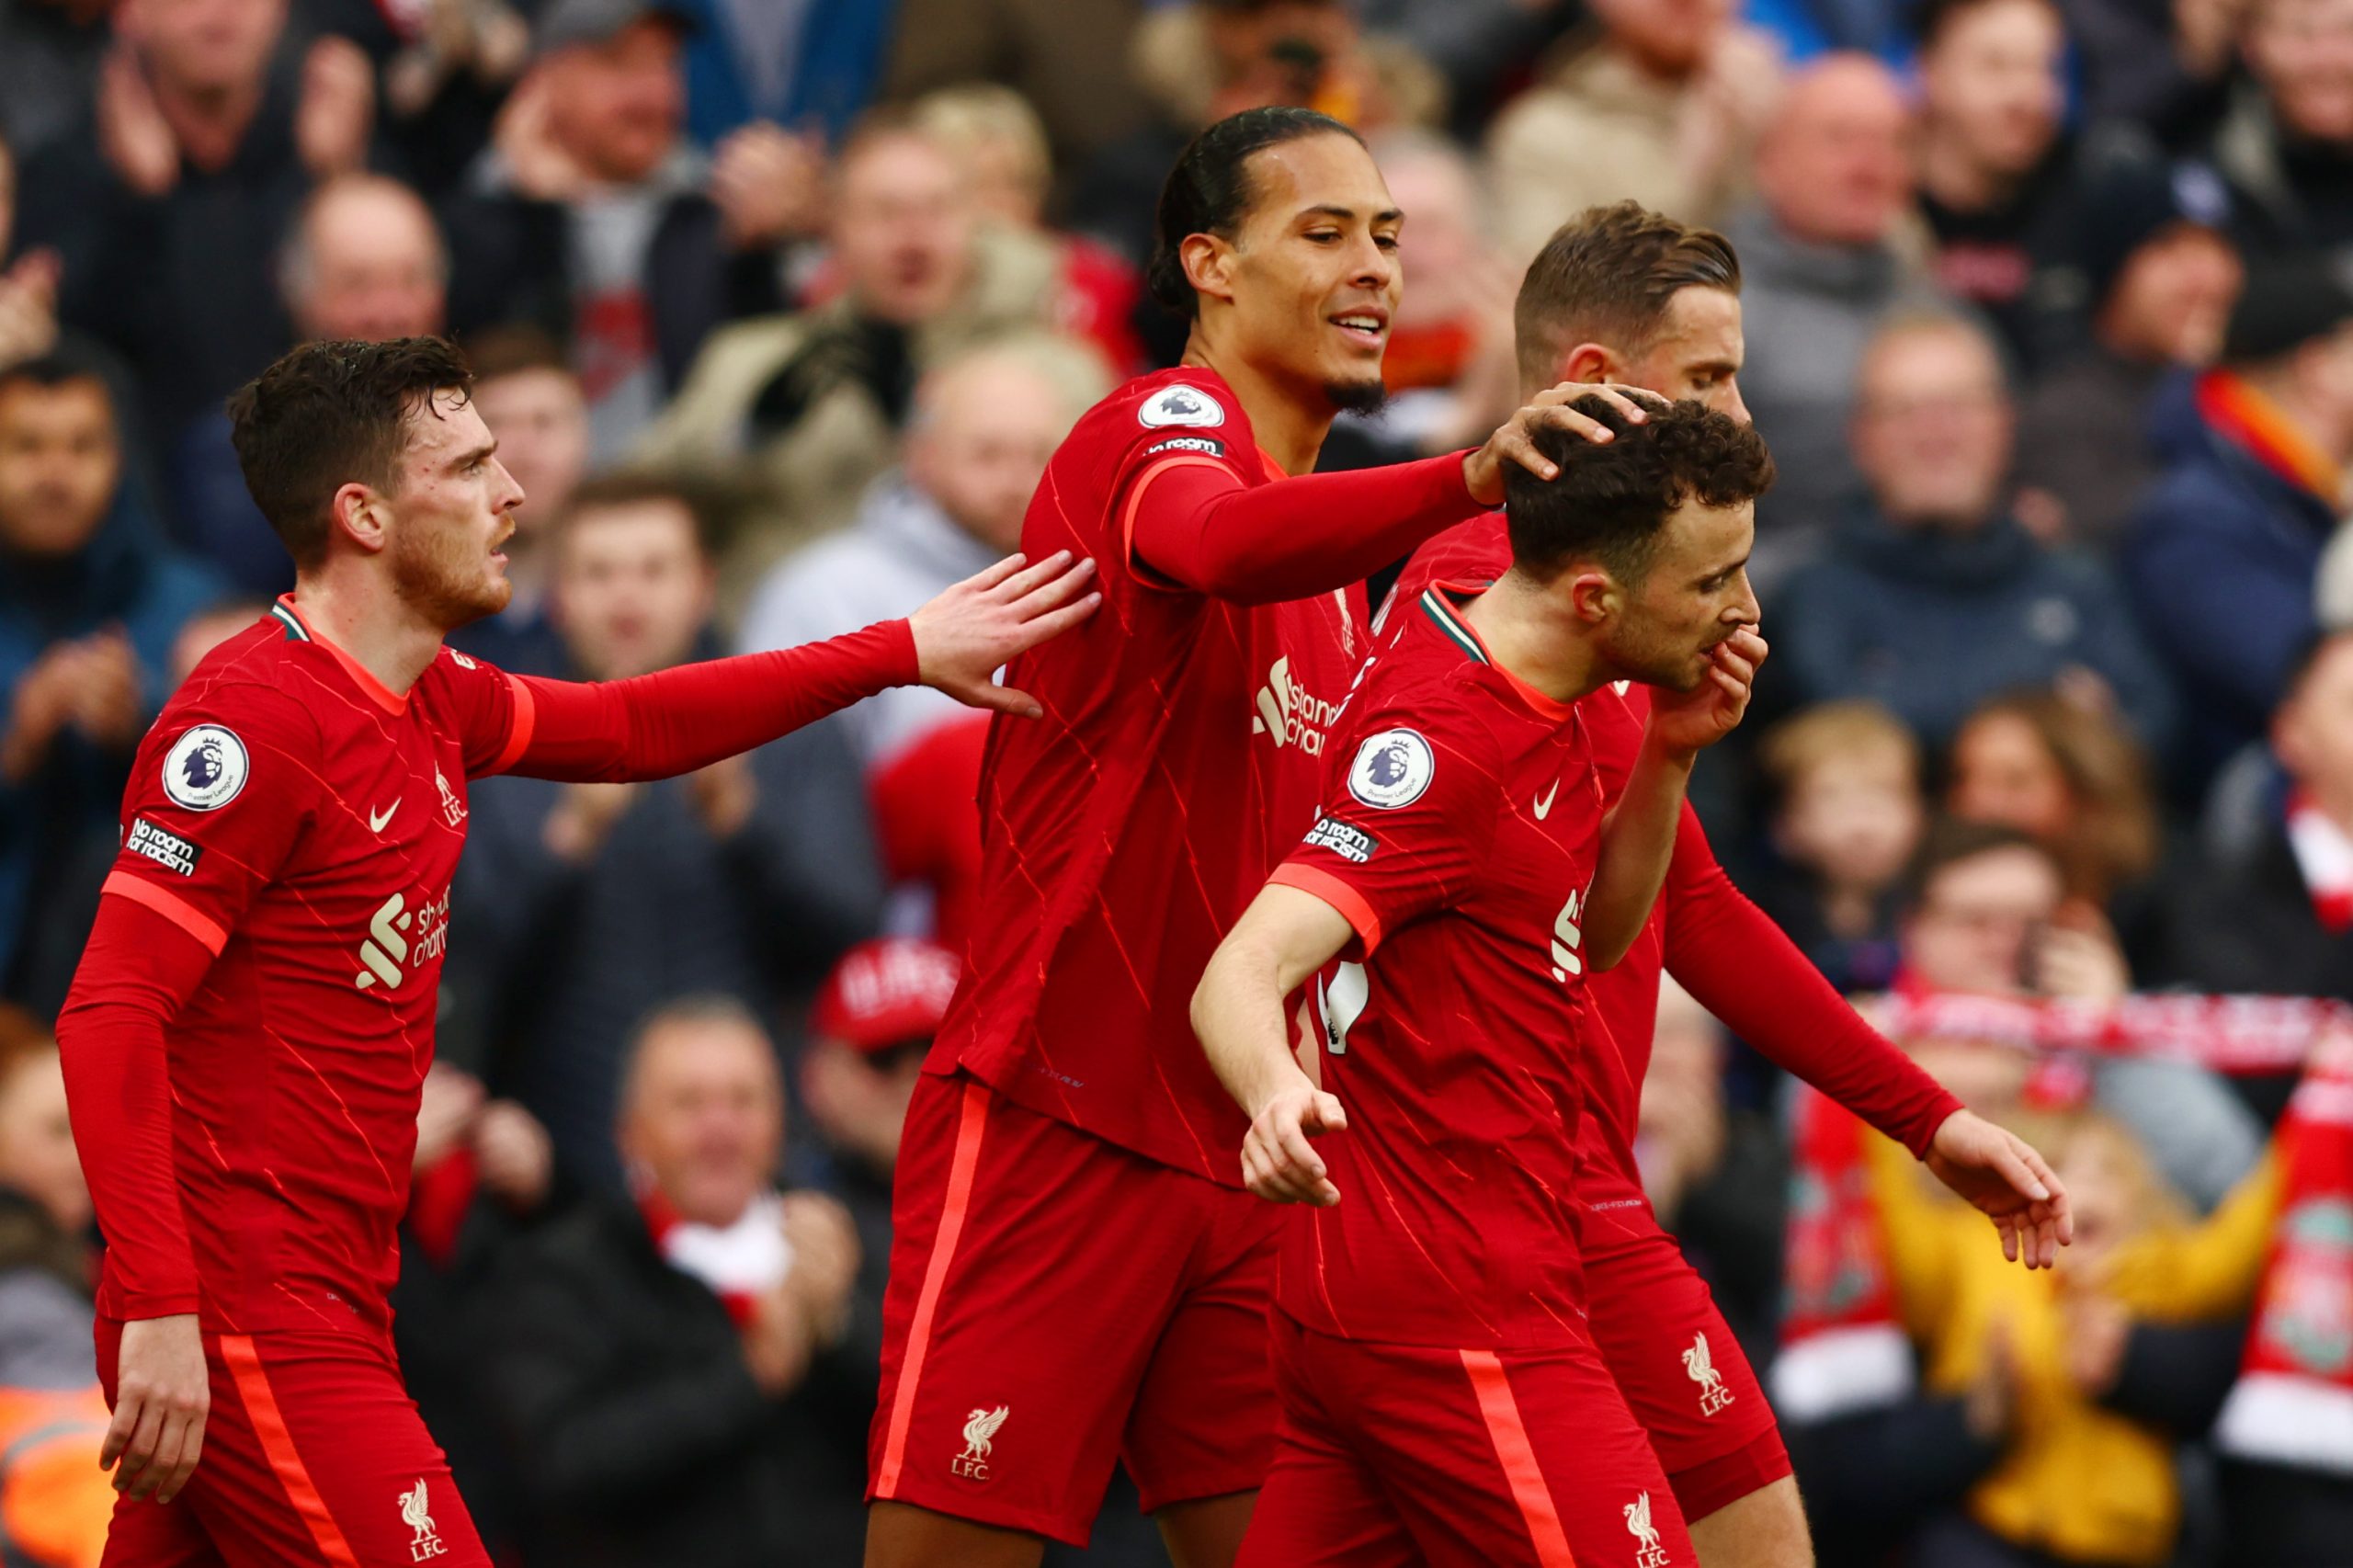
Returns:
(313,1454)
(1056,1302)
(1391,1456)
(1683,1375)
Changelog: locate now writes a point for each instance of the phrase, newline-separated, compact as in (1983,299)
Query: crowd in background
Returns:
(777,309)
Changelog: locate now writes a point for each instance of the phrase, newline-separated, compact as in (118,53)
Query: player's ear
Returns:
(1593,594)
(1590,362)
(358,514)
(1209,265)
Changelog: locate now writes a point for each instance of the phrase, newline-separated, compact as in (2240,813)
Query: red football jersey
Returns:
(1624,997)
(1462,823)
(1123,833)
(303,821)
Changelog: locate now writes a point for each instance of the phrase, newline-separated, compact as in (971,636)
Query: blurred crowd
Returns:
(778,308)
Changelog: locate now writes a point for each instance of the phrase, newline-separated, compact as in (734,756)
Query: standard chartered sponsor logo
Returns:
(398,935)
(1291,713)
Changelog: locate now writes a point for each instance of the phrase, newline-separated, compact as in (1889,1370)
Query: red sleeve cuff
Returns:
(1339,895)
(1925,1134)
(906,666)
(136,1306)
(171,906)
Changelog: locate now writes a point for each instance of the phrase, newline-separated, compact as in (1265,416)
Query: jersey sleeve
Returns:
(1405,827)
(487,708)
(221,792)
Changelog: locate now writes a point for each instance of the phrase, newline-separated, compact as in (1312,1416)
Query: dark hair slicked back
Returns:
(1610,498)
(1606,276)
(1208,191)
(333,414)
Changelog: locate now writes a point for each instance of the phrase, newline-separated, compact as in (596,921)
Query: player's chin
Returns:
(1357,392)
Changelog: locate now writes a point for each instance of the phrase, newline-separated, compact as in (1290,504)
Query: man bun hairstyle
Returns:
(1606,276)
(1208,191)
(1610,498)
(332,414)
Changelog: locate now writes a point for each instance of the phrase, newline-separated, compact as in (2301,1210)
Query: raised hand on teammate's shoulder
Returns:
(1686,722)
(966,634)
(162,1394)
(1514,442)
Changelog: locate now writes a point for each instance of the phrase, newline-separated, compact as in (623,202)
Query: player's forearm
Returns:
(1637,841)
(1295,538)
(1238,1014)
(676,721)
(1740,966)
(137,971)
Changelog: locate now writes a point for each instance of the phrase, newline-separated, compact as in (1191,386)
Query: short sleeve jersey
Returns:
(1459,838)
(1625,998)
(303,821)
(1123,833)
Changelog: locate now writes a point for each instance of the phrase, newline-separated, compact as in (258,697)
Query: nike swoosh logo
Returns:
(376,822)
(1544,801)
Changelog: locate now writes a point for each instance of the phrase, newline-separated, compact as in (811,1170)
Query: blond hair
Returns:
(1829,731)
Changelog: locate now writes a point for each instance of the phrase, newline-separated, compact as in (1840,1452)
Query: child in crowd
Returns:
(1846,780)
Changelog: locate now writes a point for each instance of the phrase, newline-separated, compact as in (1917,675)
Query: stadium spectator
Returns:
(28,282)
(2286,144)
(50,51)
(985,424)
(1822,267)
(1931,596)
(2221,555)
(90,600)
(592,216)
(2272,911)
(677,1368)
(802,410)
(2000,185)
(482,1174)
(757,63)
(1988,916)
(364,260)
(2167,67)
(2067,774)
(444,65)
(1847,815)
(1002,144)
(581,906)
(531,400)
(167,211)
(2163,275)
(1663,107)
(1069,58)
(54,1504)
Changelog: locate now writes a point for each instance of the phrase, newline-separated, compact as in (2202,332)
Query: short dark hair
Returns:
(1210,190)
(1933,16)
(60,367)
(1952,840)
(511,348)
(637,487)
(1608,276)
(1610,497)
(332,414)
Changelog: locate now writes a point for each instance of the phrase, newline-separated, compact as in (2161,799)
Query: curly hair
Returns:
(332,414)
(1610,499)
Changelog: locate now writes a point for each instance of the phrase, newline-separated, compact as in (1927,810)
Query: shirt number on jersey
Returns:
(1568,936)
(1342,1000)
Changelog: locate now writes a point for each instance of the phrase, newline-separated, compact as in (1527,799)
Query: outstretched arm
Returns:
(1285,935)
(676,721)
(1191,522)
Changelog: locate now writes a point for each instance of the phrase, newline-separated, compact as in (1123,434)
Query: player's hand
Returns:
(2000,1174)
(966,634)
(1687,722)
(1483,471)
(1278,1162)
(162,1396)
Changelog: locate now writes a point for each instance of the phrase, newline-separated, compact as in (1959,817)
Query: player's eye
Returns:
(1323,236)
(1386,242)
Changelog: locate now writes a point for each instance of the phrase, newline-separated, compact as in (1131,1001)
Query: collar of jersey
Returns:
(298,631)
(1438,603)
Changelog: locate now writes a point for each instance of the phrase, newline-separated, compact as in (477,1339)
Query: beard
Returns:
(439,573)
(1368,397)
(1659,661)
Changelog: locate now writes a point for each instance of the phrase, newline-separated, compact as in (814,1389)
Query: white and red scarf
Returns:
(1842,1346)
(2324,854)
(740,1262)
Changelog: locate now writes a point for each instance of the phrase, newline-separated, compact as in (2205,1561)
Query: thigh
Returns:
(1322,1505)
(1203,1424)
(1683,1374)
(322,1459)
(1033,1269)
(148,1534)
(1518,1458)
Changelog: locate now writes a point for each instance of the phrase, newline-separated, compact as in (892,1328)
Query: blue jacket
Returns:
(1932,623)
(2219,556)
(126,575)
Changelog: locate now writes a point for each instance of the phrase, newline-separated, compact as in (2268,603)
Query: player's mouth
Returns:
(1366,328)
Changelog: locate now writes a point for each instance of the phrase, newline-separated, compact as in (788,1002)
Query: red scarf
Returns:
(2254,421)
(2324,854)
(2226,1034)
(2293,1401)
(1842,1346)
(738,1262)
